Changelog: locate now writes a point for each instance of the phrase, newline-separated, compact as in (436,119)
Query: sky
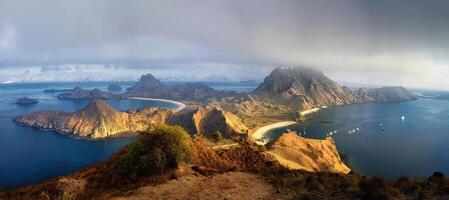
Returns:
(365,42)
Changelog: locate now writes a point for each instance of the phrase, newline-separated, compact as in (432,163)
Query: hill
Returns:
(96,120)
(296,152)
(305,88)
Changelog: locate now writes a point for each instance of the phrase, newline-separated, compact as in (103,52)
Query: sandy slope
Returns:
(296,152)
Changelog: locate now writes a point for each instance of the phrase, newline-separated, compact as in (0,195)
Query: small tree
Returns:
(217,136)
(157,149)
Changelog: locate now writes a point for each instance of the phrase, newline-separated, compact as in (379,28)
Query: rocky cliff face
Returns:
(96,120)
(208,120)
(312,155)
(149,86)
(204,121)
(306,88)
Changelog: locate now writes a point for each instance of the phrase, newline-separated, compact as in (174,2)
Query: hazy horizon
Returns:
(361,42)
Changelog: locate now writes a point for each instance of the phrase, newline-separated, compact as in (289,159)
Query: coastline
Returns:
(179,106)
(260,135)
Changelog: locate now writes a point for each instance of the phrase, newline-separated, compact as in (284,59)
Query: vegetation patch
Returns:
(160,148)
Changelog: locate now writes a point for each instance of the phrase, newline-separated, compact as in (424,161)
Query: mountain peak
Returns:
(149,78)
(97,107)
(298,79)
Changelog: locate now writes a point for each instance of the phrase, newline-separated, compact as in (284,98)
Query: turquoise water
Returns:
(29,156)
(415,147)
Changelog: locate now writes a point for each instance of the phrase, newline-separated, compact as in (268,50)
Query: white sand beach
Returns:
(179,105)
(260,135)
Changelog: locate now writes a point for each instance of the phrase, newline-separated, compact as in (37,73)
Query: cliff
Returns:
(96,120)
(312,155)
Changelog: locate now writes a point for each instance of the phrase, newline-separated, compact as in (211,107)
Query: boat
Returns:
(403,118)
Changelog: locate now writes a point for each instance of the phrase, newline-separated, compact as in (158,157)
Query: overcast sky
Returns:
(381,42)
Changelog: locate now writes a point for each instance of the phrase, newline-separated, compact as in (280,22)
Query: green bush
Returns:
(217,136)
(160,148)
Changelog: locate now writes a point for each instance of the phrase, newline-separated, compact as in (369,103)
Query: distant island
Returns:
(114,87)
(26,101)
(57,90)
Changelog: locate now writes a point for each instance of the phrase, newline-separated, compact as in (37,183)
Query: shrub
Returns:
(157,149)
(217,136)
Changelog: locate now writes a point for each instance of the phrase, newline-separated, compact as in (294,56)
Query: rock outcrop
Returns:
(26,101)
(96,120)
(312,155)
(80,93)
(204,121)
(208,120)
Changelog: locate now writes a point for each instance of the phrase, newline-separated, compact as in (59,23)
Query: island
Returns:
(114,87)
(26,101)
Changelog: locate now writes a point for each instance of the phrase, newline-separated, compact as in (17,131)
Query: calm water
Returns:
(416,147)
(28,155)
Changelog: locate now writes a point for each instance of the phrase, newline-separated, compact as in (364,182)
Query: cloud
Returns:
(7,38)
(391,42)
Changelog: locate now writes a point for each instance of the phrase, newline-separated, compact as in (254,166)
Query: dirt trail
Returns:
(230,185)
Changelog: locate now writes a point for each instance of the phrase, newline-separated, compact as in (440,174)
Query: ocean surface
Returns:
(416,146)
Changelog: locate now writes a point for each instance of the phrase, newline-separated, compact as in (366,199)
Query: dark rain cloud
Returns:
(402,42)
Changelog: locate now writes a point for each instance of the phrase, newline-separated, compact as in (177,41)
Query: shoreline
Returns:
(179,106)
(260,134)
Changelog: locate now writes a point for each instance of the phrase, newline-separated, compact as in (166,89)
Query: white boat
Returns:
(403,118)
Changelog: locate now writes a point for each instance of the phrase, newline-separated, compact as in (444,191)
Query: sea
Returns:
(415,146)
(387,140)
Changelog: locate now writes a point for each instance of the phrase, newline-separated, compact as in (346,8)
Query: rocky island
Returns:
(96,120)
(99,120)
(26,101)
(149,86)
(306,88)
(80,93)
(114,87)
